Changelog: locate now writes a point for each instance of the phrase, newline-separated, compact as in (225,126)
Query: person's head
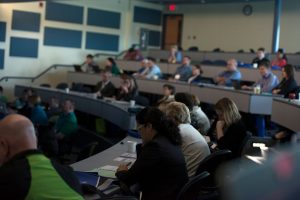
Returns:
(27,93)
(280,54)
(178,112)
(151,121)
(128,82)
(260,53)
(144,63)
(231,64)
(227,111)
(288,72)
(168,90)
(174,49)
(106,75)
(54,102)
(151,61)
(185,98)
(17,135)
(68,106)
(89,59)
(110,62)
(34,100)
(264,68)
(197,70)
(186,60)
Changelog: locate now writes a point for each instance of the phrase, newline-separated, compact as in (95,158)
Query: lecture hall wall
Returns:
(225,26)
(34,37)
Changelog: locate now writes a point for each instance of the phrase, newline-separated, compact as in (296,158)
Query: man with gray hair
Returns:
(231,73)
(25,173)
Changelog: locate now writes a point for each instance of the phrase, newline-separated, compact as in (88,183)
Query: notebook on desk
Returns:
(237,84)
(90,178)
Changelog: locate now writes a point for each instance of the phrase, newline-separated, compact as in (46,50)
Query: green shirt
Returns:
(67,124)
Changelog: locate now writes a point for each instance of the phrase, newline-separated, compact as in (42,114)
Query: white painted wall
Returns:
(48,55)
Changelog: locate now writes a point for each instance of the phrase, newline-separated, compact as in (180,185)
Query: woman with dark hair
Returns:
(288,83)
(196,75)
(112,66)
(160,167)
(281,59)
(128,89)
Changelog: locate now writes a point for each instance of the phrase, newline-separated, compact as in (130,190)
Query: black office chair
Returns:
(193,48)
(45,85)
(192,189)
(62,86)
(220,62)
(207,62)
(141,100)
(212,163)
(242,149)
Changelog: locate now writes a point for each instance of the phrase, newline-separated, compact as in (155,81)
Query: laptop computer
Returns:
(77,68)
(237,84)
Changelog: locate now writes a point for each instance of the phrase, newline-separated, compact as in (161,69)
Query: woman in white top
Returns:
(194,146)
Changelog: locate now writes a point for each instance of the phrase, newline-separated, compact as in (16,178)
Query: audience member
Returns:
(196,74)
(260,56)
(288,83)
(128,89)
(112,66)
(143,70)
(38,115)
(232,73)
(54,109)
(199,120)
(160,169)
(133,53)
(268,80)
(230,129)
(89,65)
(175,55)
(21,103)
(168,92)
(185,71)
(105,88)
(25,173)
(66,124)
(3,98)
(153,71)
(194,146)
(281,59)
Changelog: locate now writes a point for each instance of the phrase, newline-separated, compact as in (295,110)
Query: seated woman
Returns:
(230,129)
(196,75)
(288,83)
(112,66)
(128,89)
(199,120)
(38,115)
(194,146)
(175,55)
(160,168)
(280,60)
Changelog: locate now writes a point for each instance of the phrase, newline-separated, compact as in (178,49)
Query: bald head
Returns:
(17,134)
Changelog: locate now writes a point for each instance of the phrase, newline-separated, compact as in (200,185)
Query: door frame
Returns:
(164,29)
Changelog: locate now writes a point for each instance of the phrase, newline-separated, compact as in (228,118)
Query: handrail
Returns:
(112,55)
(6,78)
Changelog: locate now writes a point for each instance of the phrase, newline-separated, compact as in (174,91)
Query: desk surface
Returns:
(286,113)
(105,157)
(113,111)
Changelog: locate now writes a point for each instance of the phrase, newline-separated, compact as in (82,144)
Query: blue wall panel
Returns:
(26,21)
(101,41)
(23,47)
(147,16)
(154,38)
(1,58)
(62,37)
(64,13)
(103,18)
(2,31)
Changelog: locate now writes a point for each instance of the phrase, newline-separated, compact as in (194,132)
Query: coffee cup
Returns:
(131,146)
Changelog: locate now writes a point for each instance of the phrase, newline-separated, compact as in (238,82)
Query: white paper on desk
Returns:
(129,155)
(129,160)
(119,159)
(109,168)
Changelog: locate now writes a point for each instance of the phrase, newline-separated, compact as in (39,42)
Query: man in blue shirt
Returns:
(268,80)
(232,73)
(153,70)
(184,72)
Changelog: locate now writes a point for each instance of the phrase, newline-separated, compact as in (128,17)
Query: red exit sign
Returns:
(172,7)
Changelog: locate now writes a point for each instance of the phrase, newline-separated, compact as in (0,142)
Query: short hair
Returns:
(186,99)
(151,59)
(170,87)
(35,99)
(265,63)
(178,112)
(90,56)
(188,57)
(72,103)
(261,49)
(229,111)
(289,70)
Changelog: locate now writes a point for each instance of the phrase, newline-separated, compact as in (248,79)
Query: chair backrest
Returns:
(141,100)
(45,85)
(244,144)
(220,62)
(207,62)
(62,86)
(193,48)
(212,162)
(192,188)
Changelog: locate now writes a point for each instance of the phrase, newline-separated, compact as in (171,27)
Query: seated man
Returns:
(89,65)
(184,72)
(25,173)
(268,80)
(67,122)
(105,88)
(260,56)
(232,73)
(153,71)
(3,98)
